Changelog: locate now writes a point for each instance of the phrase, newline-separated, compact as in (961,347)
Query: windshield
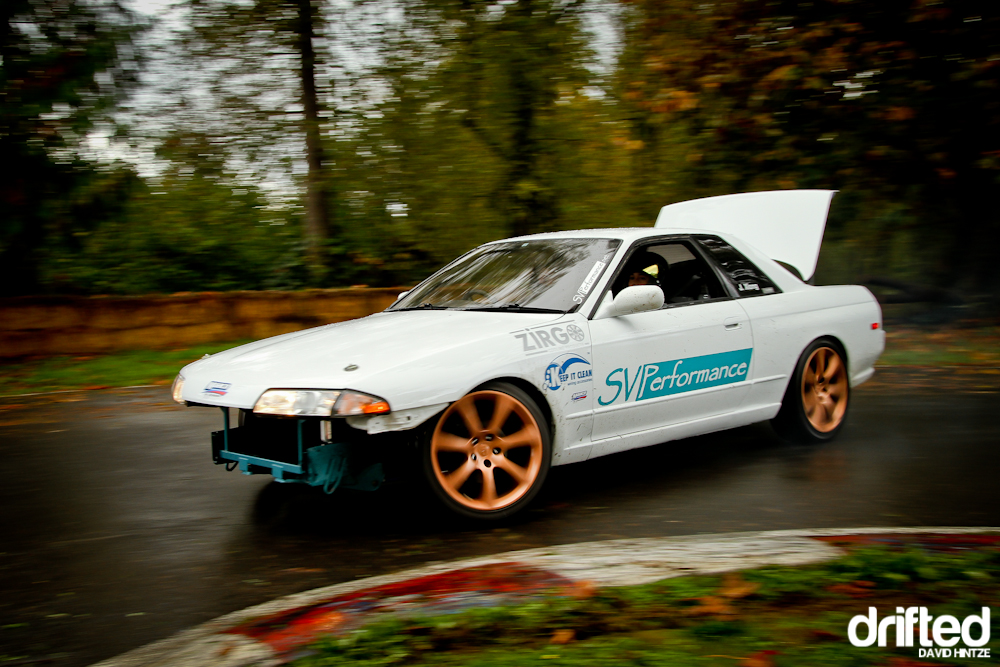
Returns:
(550,275)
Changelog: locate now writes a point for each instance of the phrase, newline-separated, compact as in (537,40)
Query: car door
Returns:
(775,318)
(686,362)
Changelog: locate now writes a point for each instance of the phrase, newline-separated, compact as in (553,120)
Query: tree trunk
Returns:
(317,222)
(530,205)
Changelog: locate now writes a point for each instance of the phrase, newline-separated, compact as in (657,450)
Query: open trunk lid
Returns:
(786,225)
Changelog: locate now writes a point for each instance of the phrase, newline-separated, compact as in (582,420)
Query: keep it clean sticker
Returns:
(567,370)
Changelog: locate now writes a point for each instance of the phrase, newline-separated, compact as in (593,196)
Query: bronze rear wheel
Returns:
(824,389)
(489,452)
(815,404)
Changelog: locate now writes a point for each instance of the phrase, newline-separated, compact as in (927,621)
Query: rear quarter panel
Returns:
(784,324)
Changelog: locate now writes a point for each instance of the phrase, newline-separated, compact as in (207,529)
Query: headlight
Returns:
(178,389)
(295,402)
(318,403)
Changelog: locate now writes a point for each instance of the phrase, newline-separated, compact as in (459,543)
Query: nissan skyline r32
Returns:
(555,348)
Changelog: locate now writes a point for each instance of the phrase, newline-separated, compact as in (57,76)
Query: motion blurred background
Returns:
(206,145)
(150,148)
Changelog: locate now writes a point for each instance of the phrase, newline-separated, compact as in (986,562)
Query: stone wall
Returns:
(43,326)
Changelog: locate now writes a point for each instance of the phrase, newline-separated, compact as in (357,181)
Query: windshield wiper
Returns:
(516,308)
(424,306)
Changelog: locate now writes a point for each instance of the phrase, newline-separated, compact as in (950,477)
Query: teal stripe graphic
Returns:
(676,376)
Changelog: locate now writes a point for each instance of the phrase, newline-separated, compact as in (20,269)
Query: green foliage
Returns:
(885,569)
(717,629)
(122,369)
(898,568)
(894,103)
(502,75)
(678,588)
(467,121)
(193,228)
(64,64)
(488,130)
(654,624)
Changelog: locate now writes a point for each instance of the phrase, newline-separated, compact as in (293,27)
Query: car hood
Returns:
(383,351)
(786,225)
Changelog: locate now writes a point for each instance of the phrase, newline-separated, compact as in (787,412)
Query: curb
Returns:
(249,637)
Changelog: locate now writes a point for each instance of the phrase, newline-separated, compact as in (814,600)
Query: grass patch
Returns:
(121,369)
(770,617)
(914,346)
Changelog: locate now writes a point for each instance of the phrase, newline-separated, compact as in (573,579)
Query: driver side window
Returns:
(676,268)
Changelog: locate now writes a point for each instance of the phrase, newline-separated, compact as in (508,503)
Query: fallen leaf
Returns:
(564,636)
(855,589)
(733,587)
(582,589)
(712,605)
(760,659)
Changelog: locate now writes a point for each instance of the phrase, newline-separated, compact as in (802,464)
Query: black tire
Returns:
(487,456)
(815,404)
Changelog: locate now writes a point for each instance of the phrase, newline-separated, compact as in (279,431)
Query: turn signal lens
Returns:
(356,403)
(376,408)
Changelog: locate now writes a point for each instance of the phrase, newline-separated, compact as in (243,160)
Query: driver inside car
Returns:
(640,278)
(643,268)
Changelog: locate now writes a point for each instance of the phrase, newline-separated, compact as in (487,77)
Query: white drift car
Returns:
(556,348)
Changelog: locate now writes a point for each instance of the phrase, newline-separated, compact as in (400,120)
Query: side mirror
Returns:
(636,299)
(402,294)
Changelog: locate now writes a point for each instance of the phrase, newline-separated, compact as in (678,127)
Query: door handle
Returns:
(732,323)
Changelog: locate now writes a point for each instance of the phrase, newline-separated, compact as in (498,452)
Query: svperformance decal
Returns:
(588,282)
(568,370)
(675,377)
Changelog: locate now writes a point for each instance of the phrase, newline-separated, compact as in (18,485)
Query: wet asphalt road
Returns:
(117,530)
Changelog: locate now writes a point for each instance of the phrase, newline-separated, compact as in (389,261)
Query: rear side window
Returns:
(747,278)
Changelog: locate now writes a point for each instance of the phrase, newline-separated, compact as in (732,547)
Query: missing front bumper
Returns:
(293,451)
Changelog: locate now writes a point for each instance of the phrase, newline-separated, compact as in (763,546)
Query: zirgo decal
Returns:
(567,370)
(675,376)
(536,340)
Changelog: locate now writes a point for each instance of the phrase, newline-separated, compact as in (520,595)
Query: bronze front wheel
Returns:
(489,452)
(815,403)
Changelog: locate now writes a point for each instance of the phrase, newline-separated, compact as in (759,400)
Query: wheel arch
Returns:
(840,344)
(831,337)
(536,395)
